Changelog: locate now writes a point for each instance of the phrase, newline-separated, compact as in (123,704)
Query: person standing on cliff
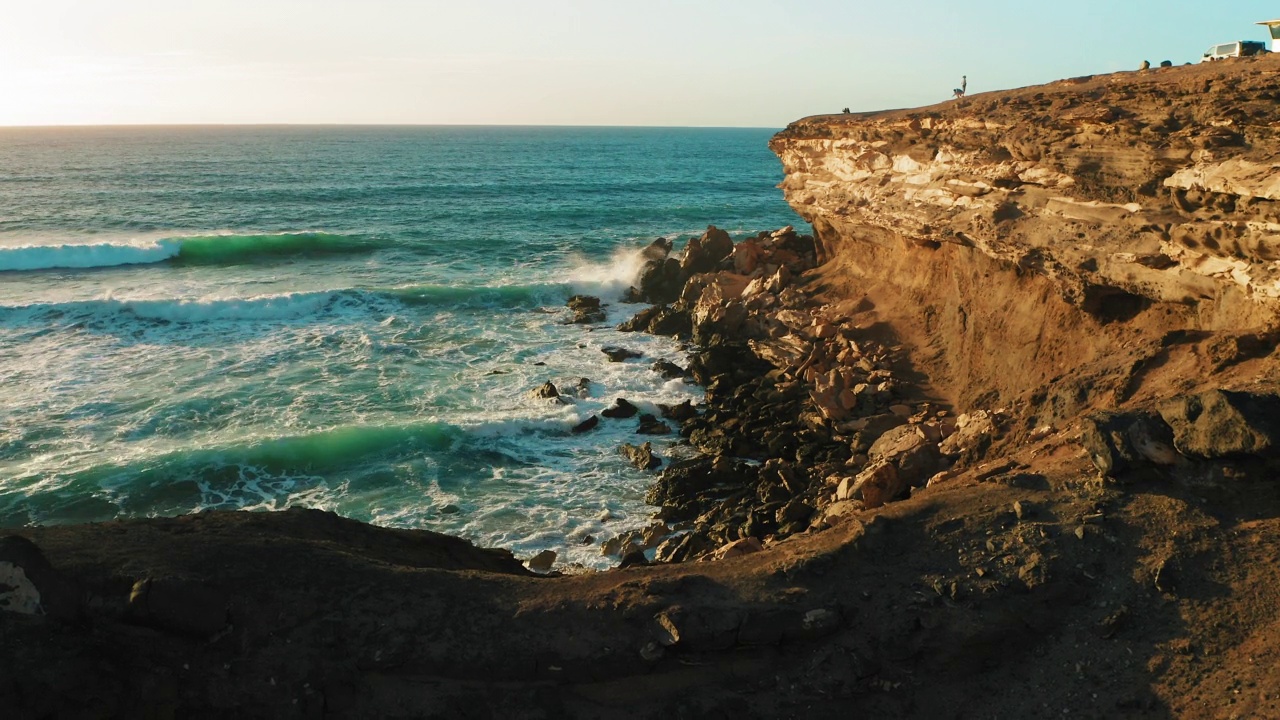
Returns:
(964,85)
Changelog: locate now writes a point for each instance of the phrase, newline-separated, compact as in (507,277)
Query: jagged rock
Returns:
(650,425)
(1221,423)
(679,488)
(737,548)
(640,321)
(586,309)
(618,354)
(877,485)
(545,391)
(641,456)
(679,413)
(704,253)
(586,425)
(915,458)
(620,410)
(974,433)
(543,561)
(669,370)
(1119,441)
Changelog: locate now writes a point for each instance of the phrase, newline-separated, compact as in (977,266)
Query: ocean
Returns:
(345,318)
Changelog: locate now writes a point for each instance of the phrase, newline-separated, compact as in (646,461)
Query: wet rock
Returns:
(586,309)
(641,456)
(586,425)
(619,354)
(620,410)
(669,370)
(679,413)
(543,561)
(650,425)
(1221,423)
(545,391)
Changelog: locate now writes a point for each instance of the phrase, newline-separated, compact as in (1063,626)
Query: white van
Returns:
(1239,48)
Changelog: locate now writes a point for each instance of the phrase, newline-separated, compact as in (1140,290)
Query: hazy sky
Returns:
(756,63)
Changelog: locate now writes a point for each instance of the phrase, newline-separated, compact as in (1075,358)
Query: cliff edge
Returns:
(998,440)
(1057,233)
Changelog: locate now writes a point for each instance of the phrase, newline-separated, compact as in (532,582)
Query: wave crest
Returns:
(193,250)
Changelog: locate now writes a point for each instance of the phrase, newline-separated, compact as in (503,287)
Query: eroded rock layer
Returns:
(1020,236)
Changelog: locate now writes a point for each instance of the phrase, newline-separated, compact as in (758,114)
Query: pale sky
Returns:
(756,63)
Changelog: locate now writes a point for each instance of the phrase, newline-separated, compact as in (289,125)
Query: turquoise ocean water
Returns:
(343,318)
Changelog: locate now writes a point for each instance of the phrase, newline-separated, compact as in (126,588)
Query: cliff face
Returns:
(1059,232)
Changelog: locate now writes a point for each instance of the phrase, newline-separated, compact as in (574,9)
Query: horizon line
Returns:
(54,126)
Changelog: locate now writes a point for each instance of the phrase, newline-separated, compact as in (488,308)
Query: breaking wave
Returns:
(195,250)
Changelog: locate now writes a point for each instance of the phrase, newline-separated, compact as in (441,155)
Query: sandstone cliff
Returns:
(1021,238)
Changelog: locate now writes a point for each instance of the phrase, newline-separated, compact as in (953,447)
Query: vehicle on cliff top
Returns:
(1239,48)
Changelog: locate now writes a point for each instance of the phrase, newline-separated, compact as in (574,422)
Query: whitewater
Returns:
(345,318)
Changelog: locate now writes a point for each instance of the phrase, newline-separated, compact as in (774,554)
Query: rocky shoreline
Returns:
(999,440)
(805,412)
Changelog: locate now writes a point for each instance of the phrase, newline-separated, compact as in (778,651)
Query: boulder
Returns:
(586,309)
(29,585)
(543,561)
(669,370)
(586,425)
(620,410)
(878,484)
(650,425)
(619,354)
(545,391)
(1222,423)
(679,413)
(641,456)
(916,459)
(737,548)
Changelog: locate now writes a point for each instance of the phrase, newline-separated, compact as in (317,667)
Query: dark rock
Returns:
(640,321)
(30,585)
(659,320)
(1121,441)
(641,456)
(586,309)
(635,558)
(618,354)
(179,606)
(679,413)
(543,561)
(679,489)
(670,322)
(621,410)
(1221,423)
(668,369)
(586,425)
(650,425)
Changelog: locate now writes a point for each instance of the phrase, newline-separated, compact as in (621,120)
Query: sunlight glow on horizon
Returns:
(759,63)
